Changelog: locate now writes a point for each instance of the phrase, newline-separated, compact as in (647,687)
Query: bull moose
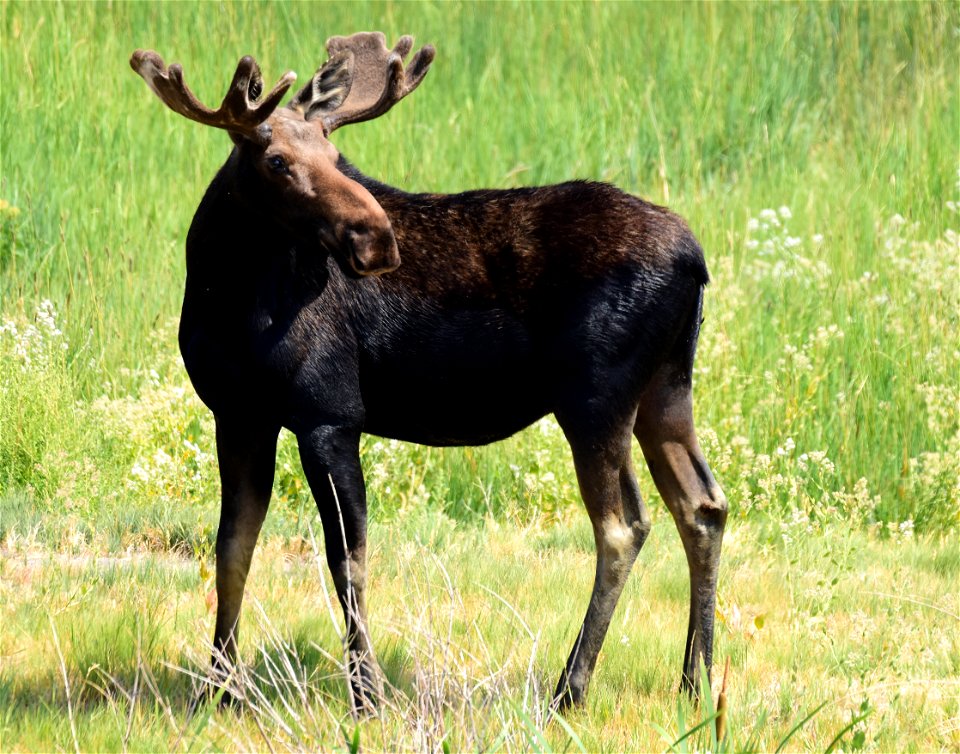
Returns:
(323,301)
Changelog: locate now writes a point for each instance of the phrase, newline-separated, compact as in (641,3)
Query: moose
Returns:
(323,301)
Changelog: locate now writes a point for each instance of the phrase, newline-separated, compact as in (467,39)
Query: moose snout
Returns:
(372,251)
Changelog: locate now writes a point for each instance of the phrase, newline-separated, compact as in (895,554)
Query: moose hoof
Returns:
(690,687)
(567,696)
(365,693)
(214,693)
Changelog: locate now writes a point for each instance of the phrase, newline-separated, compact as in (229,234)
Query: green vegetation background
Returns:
(829,332)
(813,149)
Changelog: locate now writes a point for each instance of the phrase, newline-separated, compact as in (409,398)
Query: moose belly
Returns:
(449,390)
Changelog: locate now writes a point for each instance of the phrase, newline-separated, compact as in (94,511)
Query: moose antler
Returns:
(362,79)
(242,109)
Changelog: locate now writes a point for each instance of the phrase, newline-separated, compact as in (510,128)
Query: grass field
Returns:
(813,149)
(471,648)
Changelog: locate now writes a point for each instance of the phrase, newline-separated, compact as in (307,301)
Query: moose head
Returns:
(284,156)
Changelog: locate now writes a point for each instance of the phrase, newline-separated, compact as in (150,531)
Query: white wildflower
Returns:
(768,218)
(138,472)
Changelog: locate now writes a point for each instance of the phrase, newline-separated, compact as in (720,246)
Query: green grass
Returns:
(813,149)
(471,642)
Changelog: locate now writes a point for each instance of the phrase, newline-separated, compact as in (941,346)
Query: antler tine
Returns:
(241,111)
(379,79)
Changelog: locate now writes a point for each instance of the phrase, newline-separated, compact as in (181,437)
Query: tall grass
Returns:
(828,368)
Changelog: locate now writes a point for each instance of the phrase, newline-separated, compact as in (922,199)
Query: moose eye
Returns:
(277,164)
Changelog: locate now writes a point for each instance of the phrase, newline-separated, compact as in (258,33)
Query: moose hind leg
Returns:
(699,508)
(620,527)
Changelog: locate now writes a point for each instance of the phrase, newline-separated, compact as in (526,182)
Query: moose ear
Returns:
(328,88)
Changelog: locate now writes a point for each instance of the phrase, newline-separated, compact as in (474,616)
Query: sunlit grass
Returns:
(477,634)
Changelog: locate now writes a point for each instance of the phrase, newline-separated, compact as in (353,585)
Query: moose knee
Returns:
(350,572)
(701,528)
(618,544)
(713,506)
(706,509)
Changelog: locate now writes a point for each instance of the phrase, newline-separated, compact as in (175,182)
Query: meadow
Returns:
(813,149)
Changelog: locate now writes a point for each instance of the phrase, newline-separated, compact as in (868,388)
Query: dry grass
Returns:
(470,640)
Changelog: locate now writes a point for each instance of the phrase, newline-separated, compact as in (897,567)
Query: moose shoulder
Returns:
(320,300)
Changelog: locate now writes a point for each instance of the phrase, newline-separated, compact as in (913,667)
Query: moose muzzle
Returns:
(371,251)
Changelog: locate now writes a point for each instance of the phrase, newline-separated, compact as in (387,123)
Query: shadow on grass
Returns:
(293,668)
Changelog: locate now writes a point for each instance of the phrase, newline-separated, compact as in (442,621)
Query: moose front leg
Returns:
(331,460)
(247,457)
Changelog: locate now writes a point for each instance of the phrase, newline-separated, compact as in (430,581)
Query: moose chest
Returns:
(259,349)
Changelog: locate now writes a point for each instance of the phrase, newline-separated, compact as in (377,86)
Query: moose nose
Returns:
(372,251)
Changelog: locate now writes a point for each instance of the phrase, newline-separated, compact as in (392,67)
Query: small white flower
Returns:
(785,213)
(787,448)
(769,219)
